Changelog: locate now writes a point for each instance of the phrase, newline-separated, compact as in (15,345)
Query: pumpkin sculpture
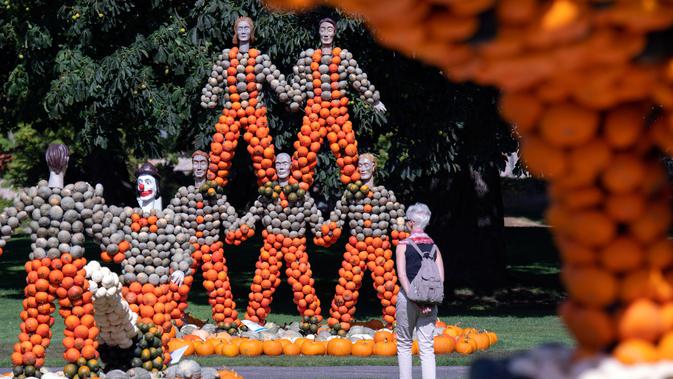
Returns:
(371,211)
(285,211)
(321,79)
(238,76)
(581,103)
(55,270)
(204,212)
(153,247)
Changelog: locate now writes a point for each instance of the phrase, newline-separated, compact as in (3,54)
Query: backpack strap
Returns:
(420,252)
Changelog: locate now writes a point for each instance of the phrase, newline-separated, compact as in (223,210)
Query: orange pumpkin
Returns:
(339,347)
(291,349)
(251,348)
(229,350)
(464,346)
(313,348)
(385,348)
(363,348)
(204,349)
(444,344)
(272,348)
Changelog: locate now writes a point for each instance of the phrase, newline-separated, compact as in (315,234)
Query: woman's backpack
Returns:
(427,286)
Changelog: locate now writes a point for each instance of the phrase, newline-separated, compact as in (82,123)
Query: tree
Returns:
(120,81)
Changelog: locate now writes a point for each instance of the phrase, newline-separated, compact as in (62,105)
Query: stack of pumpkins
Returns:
(360,341)
(114,318)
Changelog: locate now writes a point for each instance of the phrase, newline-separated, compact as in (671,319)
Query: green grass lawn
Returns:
(532,268)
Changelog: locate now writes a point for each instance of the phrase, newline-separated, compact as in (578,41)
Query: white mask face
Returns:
(283,163)
(243,31)
(147,187)
(327,33)
(366,168)
(199,166)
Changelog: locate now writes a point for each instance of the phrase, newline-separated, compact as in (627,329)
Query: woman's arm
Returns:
(440,264)
(400,258)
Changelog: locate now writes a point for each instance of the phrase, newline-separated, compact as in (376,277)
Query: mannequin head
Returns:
(199,166)
(367,167)
(57,157)
(147,182)
(283,162)
(244,31)
(327,30)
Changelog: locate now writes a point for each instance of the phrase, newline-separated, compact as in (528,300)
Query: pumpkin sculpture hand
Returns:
(178,277)
(379,107)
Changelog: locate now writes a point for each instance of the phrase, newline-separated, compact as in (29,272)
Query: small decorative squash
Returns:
(444,344)
(273,347)
(250,348)
(385,348)
(339,347)
(363,348)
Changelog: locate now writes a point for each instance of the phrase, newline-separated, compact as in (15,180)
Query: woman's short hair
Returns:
(57,157)
(420,214)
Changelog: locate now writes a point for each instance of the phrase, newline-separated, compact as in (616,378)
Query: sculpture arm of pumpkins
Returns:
(12,217)
(94,216)
(332,229)
(324,233)
(181,251)
(214,86)
(299,84)
(244,227)
(359,81)
(398,224)
(112,240)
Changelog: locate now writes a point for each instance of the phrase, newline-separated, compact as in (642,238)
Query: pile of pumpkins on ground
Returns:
(185,369)
(307,338)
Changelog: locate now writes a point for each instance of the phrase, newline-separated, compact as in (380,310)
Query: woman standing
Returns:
(411,315)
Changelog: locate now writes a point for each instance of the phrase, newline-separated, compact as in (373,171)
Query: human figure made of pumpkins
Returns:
(155,255)
(205,213)
(372,213)
(322,78)
(238,77)
(61,216)
(285,210)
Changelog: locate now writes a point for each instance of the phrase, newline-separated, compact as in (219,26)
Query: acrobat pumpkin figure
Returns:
(285,211)
(322,78)
(238,77)
(371,211)
(205,212)
(61,216)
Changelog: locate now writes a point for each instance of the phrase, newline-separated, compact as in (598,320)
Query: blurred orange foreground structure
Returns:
(591,98)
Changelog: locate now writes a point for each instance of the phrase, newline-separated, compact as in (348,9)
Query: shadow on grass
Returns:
(532,275)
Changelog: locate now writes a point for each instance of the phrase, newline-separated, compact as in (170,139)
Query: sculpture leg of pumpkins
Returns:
(325,118)
(373,254)
(153,304)
(61,279)
(277,248)
(217,284)
(251,120)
